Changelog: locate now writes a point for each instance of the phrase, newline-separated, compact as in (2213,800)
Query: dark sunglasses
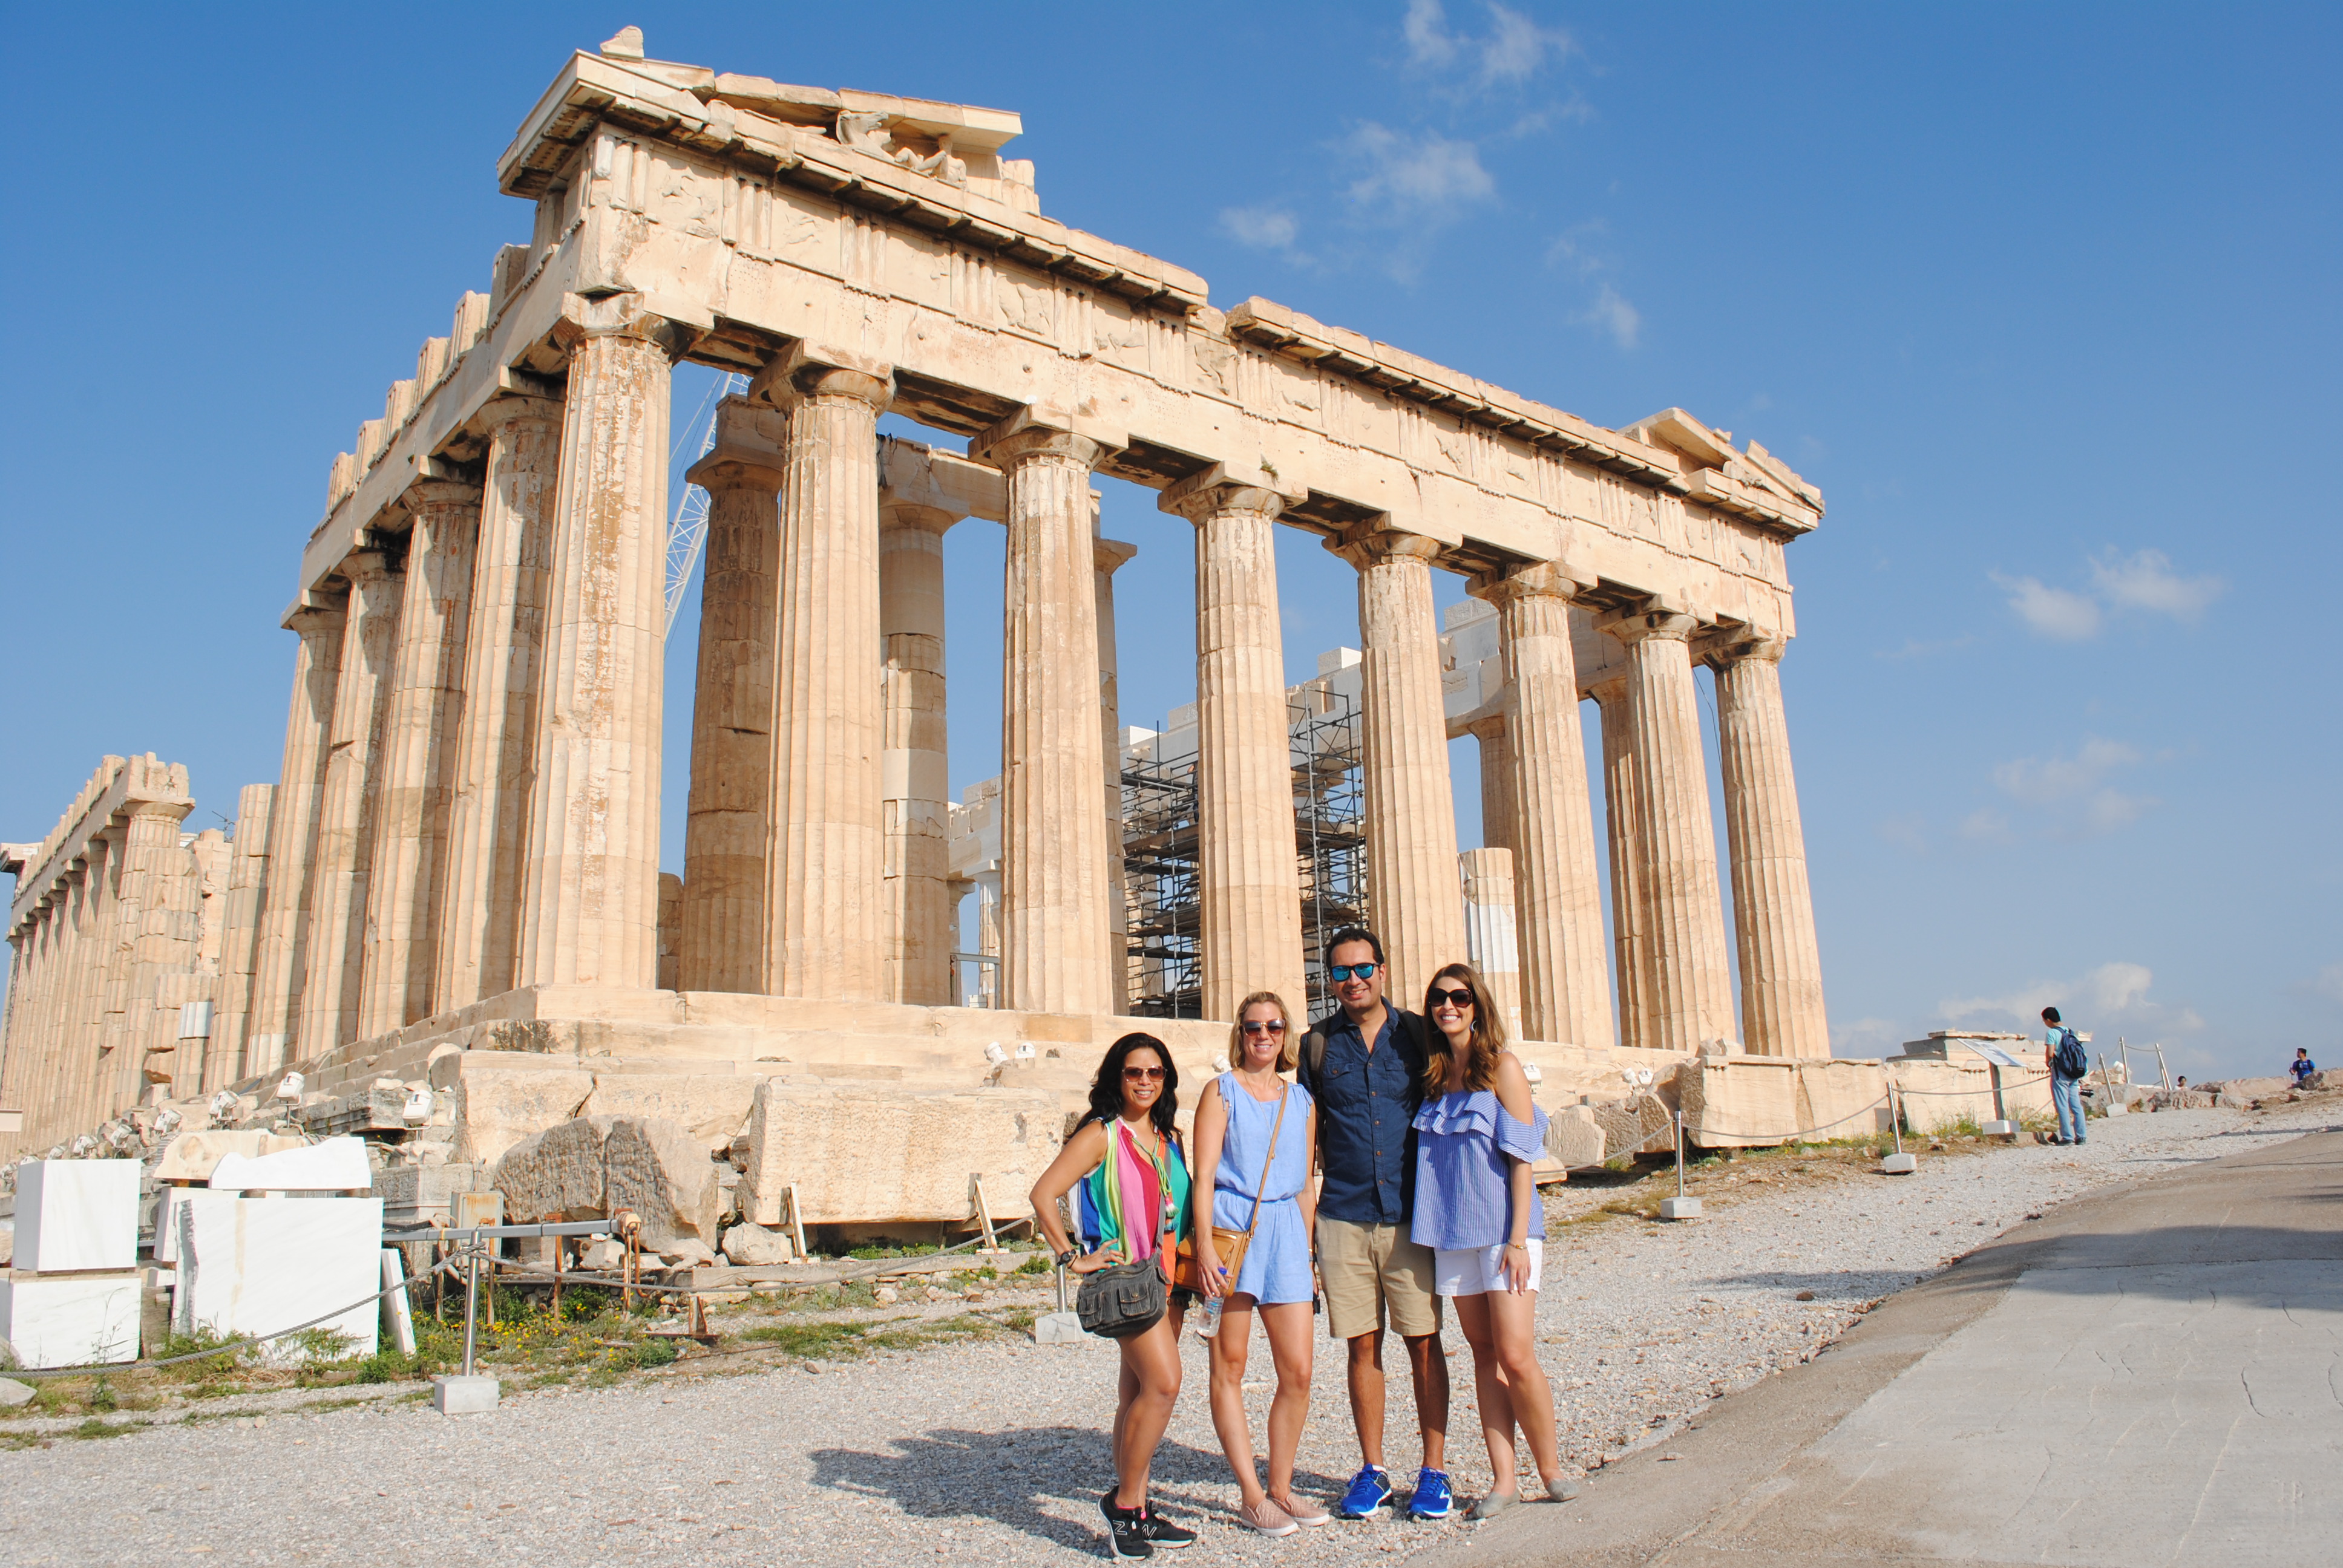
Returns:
(1453,997)
(1146,1072)
(1268,1026)
(1345,972)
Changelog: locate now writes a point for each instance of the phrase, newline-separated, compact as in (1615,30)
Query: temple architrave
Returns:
(455,878)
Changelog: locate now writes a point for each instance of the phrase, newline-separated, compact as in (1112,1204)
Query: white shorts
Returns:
(1479,1270)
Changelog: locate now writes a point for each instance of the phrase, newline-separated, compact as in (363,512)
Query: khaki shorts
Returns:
(1372,1271)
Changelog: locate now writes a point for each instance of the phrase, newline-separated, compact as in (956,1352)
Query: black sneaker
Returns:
(1126,1530)
(1162,1532)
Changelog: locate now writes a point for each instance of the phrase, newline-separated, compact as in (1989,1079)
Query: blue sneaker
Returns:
(1433,1498)
(1370,1489)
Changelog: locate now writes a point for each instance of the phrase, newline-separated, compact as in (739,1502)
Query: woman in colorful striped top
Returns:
(1130,1176)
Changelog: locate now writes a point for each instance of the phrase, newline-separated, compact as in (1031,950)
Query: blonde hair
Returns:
(1488,1036)
(1289,1049)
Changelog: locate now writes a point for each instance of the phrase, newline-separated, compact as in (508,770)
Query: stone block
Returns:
(1636,1125)
(497,1106)
(73,1320)
(1756,1101)
(76,1215)
(711,1106)
(456,1395)
(2244,1091)
(416,1194)
(754,1246)
(662,1172)
(556,1174)
(334,1165)
(193,1156)
(262,1265)
(1573,1138)
(14,1393)
(1679,1208)
(1898,1164)
(880,1154)
(1062,1329)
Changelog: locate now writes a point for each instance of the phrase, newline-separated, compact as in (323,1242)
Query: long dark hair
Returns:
(1106,1089)
(1488,1037)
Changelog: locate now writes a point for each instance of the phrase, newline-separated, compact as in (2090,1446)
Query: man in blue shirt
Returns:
(1364,1067)
(2066,1093)
(2302,1067)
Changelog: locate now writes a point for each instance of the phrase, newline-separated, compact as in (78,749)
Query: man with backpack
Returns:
(2064,1058)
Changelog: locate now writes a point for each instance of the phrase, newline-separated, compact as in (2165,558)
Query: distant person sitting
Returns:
(2063,1060)
(2302,1067)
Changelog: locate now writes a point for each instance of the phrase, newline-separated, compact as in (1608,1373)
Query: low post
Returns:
(2001,1126)
(1679,1207)
(1898,1163)
(469,1394)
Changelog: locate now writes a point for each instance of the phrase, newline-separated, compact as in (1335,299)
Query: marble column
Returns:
(1414,900)
(1251,915)
(421,721)
(82,1087)
(1629,920)
(289,886)
(1566,989)
(1494,735)
(589,875)
(988,937)
(721,945)
(494,767)
(826,919)
(1055,930)
(1108,557)
(1773,907)
(333,965)
(916,767)
(1492,936)
(240,947)
(1690,1000)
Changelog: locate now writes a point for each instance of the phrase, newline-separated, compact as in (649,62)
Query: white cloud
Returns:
(2052,611)
(1611,313)
(2111,1000)
(2040,782)
(1426,26)
(2112,808)
(2145,581)
(1515,49)
(1261,228)
(1417,178)
(1985,826)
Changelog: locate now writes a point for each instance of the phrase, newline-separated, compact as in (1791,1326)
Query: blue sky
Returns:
(2043,297)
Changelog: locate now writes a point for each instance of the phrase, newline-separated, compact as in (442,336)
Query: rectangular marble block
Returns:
(74,1319)
(261,1265)
(77,1214)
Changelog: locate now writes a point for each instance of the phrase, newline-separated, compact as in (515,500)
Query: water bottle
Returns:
(1208,1326)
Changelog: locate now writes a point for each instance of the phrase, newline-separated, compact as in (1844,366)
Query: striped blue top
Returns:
(1466,1145)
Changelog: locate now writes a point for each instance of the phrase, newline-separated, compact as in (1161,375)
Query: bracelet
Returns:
(1525,1246)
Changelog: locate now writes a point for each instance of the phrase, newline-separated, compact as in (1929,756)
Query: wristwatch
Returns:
(1068,1256)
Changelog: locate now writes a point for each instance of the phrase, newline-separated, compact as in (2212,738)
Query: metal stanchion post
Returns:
(1679,1207)
(469,1395)
(1898,1163)
(471,1303)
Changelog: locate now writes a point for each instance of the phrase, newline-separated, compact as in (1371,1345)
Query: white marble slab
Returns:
(336,1165)
(259,1265)
(76,1215)
(72,1320)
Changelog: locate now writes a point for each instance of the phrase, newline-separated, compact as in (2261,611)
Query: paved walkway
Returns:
(2152,1374)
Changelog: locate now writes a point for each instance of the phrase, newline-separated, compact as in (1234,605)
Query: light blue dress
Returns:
(1277,1265)
(1465,1144)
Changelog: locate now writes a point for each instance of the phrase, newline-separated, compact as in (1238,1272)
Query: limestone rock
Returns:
(193,1156)
(711,1105)
(14,1393)
(878,1154)
(1632,1125)
(2244,1091)
(658,1170)
(687,1253)
(556,1174)
(599,1256)
(1574,1138)
(755,1247)
(497,1107)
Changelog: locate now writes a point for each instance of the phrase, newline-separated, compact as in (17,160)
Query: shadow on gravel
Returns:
(1842,1284)
(1031,1478)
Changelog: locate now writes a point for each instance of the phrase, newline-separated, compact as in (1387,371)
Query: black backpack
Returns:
(2069,1060)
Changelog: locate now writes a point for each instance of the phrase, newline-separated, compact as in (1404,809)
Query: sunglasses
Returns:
(1149,1074)
(1345,972)
(1451,998)
(1265,1026)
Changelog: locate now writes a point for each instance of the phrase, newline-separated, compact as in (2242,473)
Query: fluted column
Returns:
(1494,735)
(915,764)
(1629,920)
(1056,936)
(1106,557)
(589,876)
(290,885)
(1413,897)
(1773,907)
(1492,934)
(240,947)
(727,826)
(82,1081)
(1245,767)
(1566,989)
(332,965)
(1691,998)
(826,919)
(421,719)
(495,741)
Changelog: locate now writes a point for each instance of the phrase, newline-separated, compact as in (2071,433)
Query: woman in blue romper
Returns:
(1235,1120)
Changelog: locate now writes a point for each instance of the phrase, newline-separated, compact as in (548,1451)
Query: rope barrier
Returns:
(1797,1136)
(1967,1093)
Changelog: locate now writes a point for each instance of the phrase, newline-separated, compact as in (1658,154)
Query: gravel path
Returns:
(995,1452)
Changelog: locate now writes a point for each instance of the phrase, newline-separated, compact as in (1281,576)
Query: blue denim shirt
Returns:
(1366,1102)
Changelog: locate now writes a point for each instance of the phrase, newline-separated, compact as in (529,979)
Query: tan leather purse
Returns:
(1230,1245)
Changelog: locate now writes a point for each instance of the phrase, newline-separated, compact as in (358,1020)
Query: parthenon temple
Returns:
(454,880)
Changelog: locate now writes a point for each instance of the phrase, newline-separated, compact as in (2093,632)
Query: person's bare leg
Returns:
(1490,1384)
(1366,1377)
(1154,1360)
(1512,1325)
(1287,1324)
(1126,1390)
(1428,1359)
(1227,1355)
